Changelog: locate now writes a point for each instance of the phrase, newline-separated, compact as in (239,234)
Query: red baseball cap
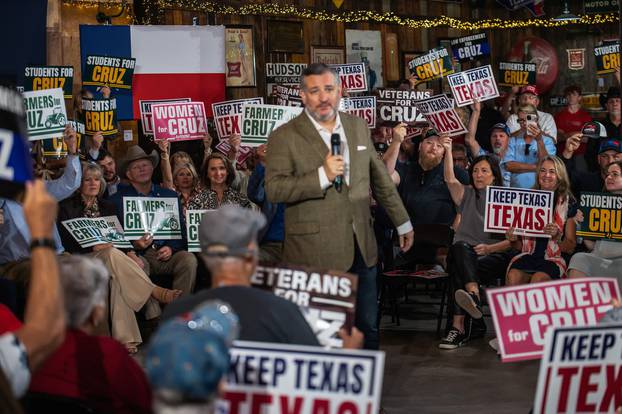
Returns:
(532,89)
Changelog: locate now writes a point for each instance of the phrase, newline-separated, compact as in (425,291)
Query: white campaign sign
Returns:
(156,216)
(90,232)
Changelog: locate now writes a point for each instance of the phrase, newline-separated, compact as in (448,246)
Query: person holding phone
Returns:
(527,148)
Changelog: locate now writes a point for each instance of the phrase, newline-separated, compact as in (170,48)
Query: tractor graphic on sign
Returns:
(56,119)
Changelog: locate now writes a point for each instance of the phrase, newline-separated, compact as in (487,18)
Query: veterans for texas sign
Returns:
(473,84)
(522,314)
(527,211)
(294,379)
(180,121)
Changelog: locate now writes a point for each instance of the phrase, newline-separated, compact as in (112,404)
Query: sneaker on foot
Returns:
(453,340)
(469,302)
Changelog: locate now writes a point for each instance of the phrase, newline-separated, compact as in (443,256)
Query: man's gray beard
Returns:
(497,150)
(427,163)
(328,117)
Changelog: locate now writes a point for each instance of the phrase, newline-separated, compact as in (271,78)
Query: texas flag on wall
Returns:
(171,62)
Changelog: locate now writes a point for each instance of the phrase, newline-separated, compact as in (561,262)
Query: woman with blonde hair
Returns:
(130,288)
(541,257)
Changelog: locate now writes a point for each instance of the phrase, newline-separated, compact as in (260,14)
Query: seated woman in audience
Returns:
(541,258)
(188,186)
(605,258)
(475,256)
(94,369)
(178,158)
(130,288)
(218,177)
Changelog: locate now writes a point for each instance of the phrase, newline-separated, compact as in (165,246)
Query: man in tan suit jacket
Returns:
(324,227)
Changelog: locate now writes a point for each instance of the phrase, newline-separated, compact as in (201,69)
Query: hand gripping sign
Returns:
(37,78)
(90,232)
(146,116)
(361,106)
(228,116)
(295,379)
(473,84)
(527,211)
(395,106)
(258,121)
(45,113)
(581,370)
(522,314)
(439,111)
(602,216)
(157,216)
(181,121)
(607,58)
(352,76)
(327,298)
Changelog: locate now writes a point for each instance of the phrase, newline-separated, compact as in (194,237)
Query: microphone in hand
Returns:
(335,149)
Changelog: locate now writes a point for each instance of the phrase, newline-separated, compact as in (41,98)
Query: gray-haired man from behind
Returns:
(230,251)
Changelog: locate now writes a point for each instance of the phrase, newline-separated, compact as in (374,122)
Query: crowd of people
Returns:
(68,310)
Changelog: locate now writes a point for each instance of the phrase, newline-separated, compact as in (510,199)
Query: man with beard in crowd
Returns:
(109,168)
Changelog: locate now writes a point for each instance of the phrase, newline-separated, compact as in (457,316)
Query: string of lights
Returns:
(154,10)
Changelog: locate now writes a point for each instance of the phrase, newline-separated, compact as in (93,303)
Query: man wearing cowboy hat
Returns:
(160,257)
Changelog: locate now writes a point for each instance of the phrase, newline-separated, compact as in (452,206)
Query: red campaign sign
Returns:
(243,152)
(146,117)
(473,84)
(527,211)
(581,371)
(523,314)
(352,76)
(439,111)
(361,106)
(179,121)
(228,114)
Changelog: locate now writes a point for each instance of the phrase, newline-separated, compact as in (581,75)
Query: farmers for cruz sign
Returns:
(115,72)
(522,314)
(527,211)
(100,115)
(182,121)
(284,379)
(328,298)
(146,117)
(258,121)
(90,232)
(37,78)
(193,220)
(473,84)
(45,113)
(602,216)
(157,216)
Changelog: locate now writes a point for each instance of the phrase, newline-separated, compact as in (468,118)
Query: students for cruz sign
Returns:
(115,72)
(523,314)
(473,84)
(157,216)
(517,74)
(258,121)
(89,232)
(284,379)
(228,115)
(396,105)
(100,115)
(146,116)
(439,111)
(46,115)
(602,216)
(182,121)
(352,76)
(607,58)
(56,147)
(49,77)
(581,371)
(327,298)
(435,64)
(527,211)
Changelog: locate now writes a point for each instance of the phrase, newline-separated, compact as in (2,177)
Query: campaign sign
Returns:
(517,73)
(287,95)
(89,232)
(395,106)
(100,115)
(45,113)
(602,215)
(581,370)
(146,117)
(522,314)
(283,379)
(327,298)
(56,147)
(361,106)
(352,76)
(115,72)
(527,211)
(607,58)
(37,78)
(228,114)
(181,121)
(157,216)
(470,47)
(473,84)
(435,64)
(439,111)
(258,121)
(193,220)
(283,73)
(15,160)
(243,152)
